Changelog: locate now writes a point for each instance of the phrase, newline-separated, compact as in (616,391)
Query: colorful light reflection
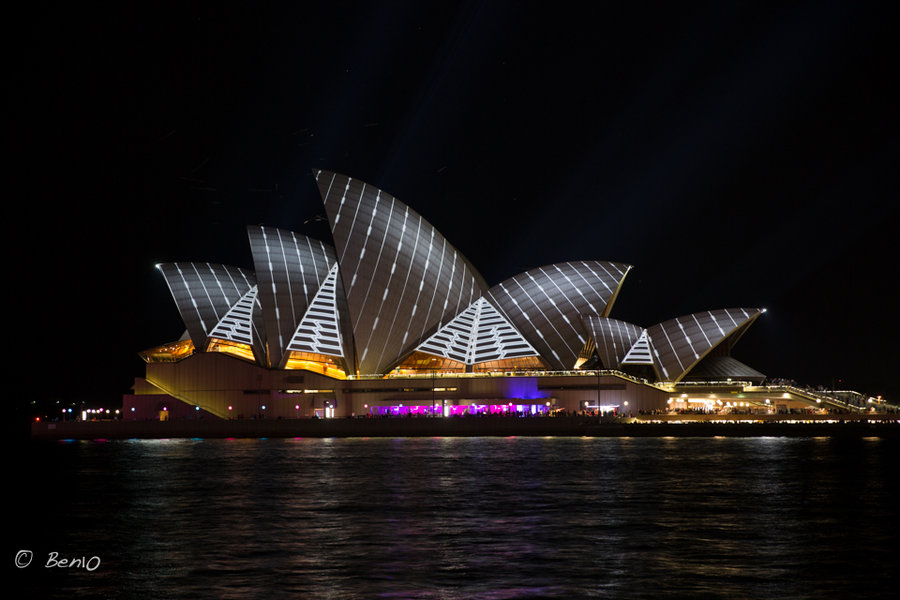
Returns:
(427,410)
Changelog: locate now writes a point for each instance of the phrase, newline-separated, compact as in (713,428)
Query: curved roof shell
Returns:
(720,368)
(393,285)
(478,334)
(217,301)
(546,304)
(612,338)
(680,343)
(301,294)
(403,280)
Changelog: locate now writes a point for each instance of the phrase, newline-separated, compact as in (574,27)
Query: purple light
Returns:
(400,410)
(524,387)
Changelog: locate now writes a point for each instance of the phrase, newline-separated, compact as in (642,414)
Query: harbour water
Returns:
(483,517)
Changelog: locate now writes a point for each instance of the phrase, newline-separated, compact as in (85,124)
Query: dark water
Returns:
(459,518)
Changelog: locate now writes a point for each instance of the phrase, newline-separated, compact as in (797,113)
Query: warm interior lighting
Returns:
(420,362)
(525,363)
(169,352)
(329,366)
(237,349)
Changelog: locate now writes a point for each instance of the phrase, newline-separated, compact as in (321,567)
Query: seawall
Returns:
(455,427)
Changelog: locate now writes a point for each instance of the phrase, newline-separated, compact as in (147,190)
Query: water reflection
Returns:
(464,518)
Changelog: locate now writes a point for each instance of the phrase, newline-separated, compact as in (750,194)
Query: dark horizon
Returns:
(737,155)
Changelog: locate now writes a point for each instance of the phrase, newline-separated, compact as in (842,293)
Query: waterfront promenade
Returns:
(881,425)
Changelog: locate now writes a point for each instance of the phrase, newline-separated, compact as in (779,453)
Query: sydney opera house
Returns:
(393,320)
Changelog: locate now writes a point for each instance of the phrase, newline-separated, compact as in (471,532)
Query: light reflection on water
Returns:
(464,517)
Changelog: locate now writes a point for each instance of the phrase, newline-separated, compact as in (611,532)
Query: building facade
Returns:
(393,320)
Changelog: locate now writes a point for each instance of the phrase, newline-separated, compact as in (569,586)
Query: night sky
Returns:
(736,153)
